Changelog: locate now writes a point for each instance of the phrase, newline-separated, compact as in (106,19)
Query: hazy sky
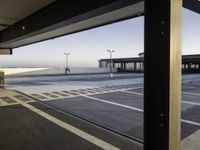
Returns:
(87,47)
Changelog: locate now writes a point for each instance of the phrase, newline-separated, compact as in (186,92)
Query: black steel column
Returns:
(162,74)
(134,66)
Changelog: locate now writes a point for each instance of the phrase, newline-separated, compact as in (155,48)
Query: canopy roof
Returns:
(24,22)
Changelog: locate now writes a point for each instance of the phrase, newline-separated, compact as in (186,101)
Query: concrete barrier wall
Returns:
(52,71)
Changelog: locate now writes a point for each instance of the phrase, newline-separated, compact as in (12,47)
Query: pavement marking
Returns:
(130,92)
(90,138)
(189,81)
(134,108)
(60,94)
(113,103)
(187,102)
(192,103)
(195,94)
(190,122)
(77,94)
(39,96)
(8,100)
(50,95)
(23,98)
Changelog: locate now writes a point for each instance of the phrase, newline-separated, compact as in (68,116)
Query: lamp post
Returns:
(67,66)
(111,63)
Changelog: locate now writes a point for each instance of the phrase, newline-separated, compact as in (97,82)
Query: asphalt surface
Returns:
(118,108)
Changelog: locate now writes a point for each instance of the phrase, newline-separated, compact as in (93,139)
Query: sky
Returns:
(87,47)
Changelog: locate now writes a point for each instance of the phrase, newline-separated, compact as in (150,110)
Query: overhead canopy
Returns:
(24,22)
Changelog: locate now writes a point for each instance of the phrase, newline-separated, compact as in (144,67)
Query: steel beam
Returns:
(63,13)
(193,5)
(162,74)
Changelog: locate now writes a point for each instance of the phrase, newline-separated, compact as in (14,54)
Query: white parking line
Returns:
(189,81)
(190,122)
(192,103)
(195,94)
(92,139)
(134,108)
(187,102)
(79,94)
(130,92)
(113,103)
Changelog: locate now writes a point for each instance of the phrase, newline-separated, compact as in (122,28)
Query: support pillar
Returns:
(134,66)
(162,75)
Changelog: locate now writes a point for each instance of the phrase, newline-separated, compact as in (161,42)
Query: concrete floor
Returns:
(113,104)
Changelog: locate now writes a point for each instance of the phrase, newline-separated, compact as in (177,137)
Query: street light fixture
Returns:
(67,65)
(111,63)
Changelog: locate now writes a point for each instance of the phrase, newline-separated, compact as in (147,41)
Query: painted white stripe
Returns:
(130,107)
(130,92)
(187,102)
(92,139)
(134,108)
(192,103)
(71,96)
(114,90)
(190,81)
(113,103)
(191,122)
(195,94)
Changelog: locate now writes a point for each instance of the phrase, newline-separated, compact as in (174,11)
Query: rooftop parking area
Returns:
(111,111)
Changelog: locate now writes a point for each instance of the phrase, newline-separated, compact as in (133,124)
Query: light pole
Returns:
(67,67)
(111,64)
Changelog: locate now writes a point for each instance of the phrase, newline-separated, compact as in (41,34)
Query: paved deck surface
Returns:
(113,104)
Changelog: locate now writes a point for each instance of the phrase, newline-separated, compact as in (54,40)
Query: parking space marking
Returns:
(130,92)
(113,103)
(191,103)
(186,102)
(195,94)
(23,98)
(190,122)
(60,94)
(76,93)
(189,81)
(90,138)
(13,99)
(133,108)
(41,97)
(50,95)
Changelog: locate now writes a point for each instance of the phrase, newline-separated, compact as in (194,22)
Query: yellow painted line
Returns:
(90,138)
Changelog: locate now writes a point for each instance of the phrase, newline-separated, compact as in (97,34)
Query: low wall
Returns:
(52,71)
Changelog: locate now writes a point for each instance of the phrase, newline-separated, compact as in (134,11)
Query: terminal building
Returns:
(190,64)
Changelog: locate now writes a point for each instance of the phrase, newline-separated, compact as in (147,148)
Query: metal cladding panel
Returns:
(5,51)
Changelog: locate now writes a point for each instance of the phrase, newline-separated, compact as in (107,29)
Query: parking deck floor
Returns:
(93,111)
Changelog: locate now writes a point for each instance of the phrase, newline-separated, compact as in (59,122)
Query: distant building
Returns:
(190,64)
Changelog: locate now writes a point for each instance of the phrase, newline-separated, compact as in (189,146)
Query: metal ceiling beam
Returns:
(59,14)
(64,13)
(193,5)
